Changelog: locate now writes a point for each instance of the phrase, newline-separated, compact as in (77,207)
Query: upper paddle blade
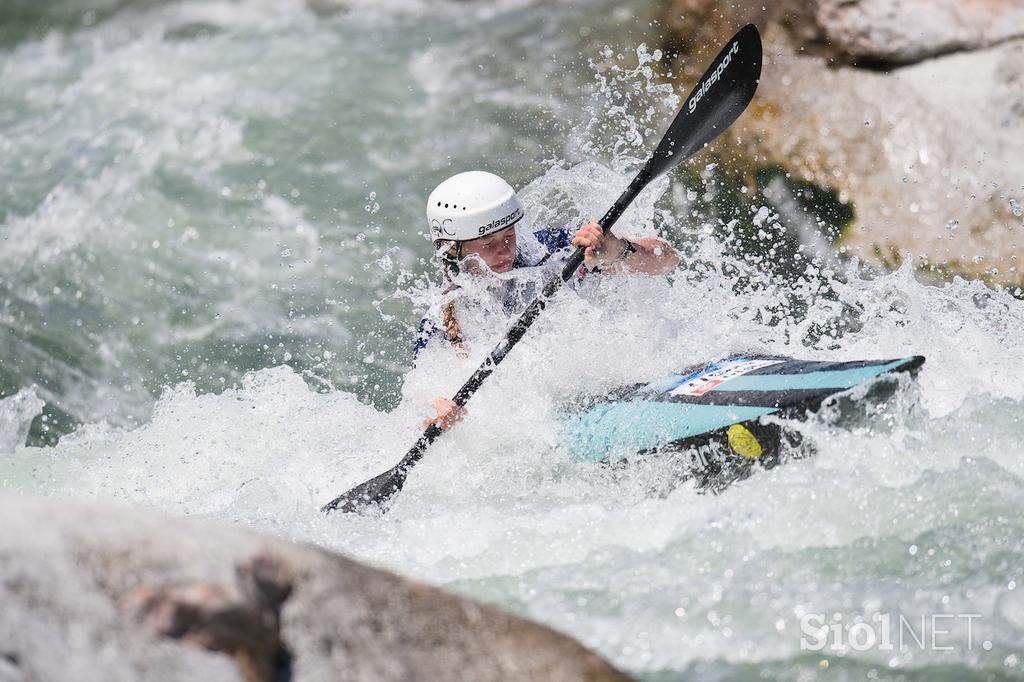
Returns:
(718,99)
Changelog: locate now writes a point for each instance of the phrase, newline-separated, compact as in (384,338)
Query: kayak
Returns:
(714,413)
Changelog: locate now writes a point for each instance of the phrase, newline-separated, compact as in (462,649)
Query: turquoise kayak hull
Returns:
(700,406)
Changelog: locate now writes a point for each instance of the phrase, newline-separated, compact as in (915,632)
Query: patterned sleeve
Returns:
(558,243)
(554,239)
(427,331)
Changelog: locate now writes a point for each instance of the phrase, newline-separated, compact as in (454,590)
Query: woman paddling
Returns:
(488,268)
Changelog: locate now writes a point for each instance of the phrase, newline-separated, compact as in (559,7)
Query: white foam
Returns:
(16,415)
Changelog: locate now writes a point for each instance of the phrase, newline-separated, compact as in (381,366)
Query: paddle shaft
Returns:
(518,329)
(383,486)
(710,109)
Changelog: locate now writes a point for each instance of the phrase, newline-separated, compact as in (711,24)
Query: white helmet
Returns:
(471,205)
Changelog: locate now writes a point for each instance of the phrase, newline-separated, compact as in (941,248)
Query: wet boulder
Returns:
(927,157)
(906,31)
(97,592)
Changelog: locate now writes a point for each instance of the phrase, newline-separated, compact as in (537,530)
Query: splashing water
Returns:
(217,223)
(16,415)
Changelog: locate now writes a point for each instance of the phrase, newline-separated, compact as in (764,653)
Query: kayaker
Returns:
(486,264)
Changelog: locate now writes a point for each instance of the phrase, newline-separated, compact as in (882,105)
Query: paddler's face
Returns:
(497,251)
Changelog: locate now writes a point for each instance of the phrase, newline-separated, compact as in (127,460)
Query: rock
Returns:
(924,178)
(242,620)
(697,29)
(928,156)
(905,31)
(875,33)
(102,593)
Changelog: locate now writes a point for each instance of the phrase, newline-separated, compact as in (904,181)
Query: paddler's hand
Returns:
(600,248)
(448,414)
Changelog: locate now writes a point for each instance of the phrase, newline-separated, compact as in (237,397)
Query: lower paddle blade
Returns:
(374,493)
(718,99)
(380,489)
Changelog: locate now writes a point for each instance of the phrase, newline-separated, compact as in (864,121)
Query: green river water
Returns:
(213,260)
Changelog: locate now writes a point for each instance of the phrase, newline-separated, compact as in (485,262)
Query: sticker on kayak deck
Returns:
(701,384)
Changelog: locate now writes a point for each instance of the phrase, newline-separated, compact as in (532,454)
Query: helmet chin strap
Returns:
(450,256)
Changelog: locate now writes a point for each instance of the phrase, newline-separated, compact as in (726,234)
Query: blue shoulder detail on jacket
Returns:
(553,238)
(427,331)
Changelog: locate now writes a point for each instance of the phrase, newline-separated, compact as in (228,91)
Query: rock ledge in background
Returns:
(907,31)
(92,592)
(929,156)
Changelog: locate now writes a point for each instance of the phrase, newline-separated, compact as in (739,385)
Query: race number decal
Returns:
(701,384)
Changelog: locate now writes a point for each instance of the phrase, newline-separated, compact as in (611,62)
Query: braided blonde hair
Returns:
(453,328)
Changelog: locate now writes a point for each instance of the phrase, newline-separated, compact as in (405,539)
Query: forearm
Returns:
(652,256)
(604,250)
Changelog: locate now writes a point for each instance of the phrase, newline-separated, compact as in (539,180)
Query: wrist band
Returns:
(626,252)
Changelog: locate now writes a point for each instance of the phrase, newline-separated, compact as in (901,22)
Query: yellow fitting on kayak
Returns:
(743,442)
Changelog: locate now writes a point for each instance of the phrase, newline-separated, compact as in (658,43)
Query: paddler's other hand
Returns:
(448,414)
(600,248)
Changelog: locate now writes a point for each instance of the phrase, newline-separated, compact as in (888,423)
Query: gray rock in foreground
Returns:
(93,592)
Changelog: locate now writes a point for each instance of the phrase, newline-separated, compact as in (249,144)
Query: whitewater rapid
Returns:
(913,512)
(234,270)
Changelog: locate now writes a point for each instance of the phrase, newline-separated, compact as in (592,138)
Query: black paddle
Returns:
(720,97)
